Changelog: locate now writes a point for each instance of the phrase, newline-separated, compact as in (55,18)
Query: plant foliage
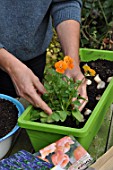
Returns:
(61,91)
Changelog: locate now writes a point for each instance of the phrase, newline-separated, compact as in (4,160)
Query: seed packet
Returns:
(66,154)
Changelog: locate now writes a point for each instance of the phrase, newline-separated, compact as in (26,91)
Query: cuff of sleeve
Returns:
(68,13)
(1,45)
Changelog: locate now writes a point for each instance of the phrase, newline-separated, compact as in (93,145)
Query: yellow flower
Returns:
(60,66)
(69,62)
(92,72)
(86,68)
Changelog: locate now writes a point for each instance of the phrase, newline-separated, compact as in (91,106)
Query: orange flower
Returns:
(60,66)
(69,62)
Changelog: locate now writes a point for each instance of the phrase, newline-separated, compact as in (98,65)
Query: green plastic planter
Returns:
(42,134)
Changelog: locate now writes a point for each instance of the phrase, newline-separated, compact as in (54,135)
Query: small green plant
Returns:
(61,91)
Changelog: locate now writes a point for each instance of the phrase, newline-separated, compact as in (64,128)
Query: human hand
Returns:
(82,89)
(28,86)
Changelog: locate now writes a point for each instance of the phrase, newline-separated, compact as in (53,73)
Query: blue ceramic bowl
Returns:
(20,108)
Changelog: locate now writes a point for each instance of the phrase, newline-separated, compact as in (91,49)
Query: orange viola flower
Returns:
(69,62)
(60,66)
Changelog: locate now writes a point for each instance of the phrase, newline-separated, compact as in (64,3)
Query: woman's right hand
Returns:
(27,85)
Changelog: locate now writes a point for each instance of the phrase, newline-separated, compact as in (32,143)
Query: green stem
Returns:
(59,98)
(70,97)
(51,100)
(69,101)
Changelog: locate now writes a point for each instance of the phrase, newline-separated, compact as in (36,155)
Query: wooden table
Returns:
(101,143)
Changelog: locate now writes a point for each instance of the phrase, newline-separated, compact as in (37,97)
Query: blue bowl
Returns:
(20,108)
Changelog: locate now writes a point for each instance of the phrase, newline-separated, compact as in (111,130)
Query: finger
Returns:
(73,99)
(44,106)
(39,86)
(36,100)
(28,99)
(83,104)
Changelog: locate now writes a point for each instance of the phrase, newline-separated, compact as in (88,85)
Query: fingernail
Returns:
(48,111)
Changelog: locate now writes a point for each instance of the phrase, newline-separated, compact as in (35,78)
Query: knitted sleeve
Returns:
(66,10)
(1,45)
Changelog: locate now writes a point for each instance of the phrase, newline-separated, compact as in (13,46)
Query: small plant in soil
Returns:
(8,116)
(61,91)
(98,74)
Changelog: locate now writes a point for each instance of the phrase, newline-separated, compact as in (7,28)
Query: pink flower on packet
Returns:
(47,150)
(60,158)
(64,144)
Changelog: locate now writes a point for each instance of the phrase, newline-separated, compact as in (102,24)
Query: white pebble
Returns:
(101,85)
(97,78)
(89,82)
(87,112)
(98,97)
(109,79)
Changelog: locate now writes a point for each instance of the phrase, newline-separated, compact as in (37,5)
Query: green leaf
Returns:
(80,97)
(43,114)
(76,103)
(63,115)
(55,116)
(77,114)
(43,120)
(49,119)
(34,115)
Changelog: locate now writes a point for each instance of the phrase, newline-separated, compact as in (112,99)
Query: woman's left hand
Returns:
(82,90)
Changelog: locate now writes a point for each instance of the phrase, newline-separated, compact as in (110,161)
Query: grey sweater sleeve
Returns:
(1,45)
(66,10)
